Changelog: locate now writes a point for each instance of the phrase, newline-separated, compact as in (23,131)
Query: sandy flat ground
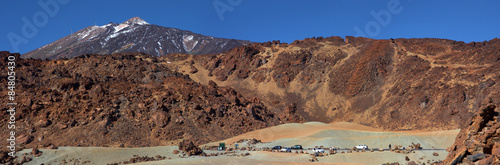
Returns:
(341,135)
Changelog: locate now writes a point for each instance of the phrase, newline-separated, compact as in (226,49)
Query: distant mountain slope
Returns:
(133,35)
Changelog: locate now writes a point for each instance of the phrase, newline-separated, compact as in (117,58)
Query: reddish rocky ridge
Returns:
(127,100)
(479,142)
(396,84)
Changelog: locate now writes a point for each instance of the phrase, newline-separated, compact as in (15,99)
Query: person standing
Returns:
(389,146)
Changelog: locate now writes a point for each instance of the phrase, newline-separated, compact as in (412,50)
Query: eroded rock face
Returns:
(396,84)
(479,142)
(128,100)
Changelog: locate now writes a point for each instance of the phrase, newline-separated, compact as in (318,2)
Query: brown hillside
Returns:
(397,84)
(133,99)
(126,100)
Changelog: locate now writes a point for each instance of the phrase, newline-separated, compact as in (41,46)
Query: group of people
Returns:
(391,146)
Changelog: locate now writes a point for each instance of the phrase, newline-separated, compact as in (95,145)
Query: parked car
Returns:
(286,149)
(318,150)
(276,148)
(360,147)
(296,147)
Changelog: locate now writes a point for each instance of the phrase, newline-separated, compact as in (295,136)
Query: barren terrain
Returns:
(397,84)
(408,90)
(287,135)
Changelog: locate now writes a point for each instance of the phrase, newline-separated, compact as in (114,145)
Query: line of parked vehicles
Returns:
(287,149)
(314,150)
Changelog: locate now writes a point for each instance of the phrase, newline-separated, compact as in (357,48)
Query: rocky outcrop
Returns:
(126,100)
(189,147)
(479,142)
(396,84)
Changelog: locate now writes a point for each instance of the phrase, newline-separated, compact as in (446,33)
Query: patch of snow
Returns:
(187,38)
(94,36)
(168,62)
(223,44)
(136,20)
(111,36)
(141,22)
(45,45)
(85,33)
(188,42)
(159,44)
(120,27)
(105,26)
(117,34)
(55,49)
(128,31)
(175,44)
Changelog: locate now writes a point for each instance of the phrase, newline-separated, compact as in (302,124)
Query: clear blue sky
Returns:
(257,20)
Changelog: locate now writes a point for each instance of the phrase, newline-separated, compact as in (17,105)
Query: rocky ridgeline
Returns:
(396,84)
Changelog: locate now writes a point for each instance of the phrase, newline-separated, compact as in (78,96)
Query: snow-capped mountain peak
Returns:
(134,35)
(136,20)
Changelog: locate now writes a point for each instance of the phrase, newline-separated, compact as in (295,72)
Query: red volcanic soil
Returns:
(127,100)
(396,84)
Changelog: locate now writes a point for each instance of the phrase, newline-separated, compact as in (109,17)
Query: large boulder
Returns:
(189,147)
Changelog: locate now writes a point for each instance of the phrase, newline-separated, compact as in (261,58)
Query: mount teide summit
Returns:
(133,35)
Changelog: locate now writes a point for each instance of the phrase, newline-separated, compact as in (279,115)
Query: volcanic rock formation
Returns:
(128,100)
(396,84)
(480,141)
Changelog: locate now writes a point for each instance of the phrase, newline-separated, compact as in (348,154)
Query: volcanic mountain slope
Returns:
(128,99)
(396,84)
(133,35)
